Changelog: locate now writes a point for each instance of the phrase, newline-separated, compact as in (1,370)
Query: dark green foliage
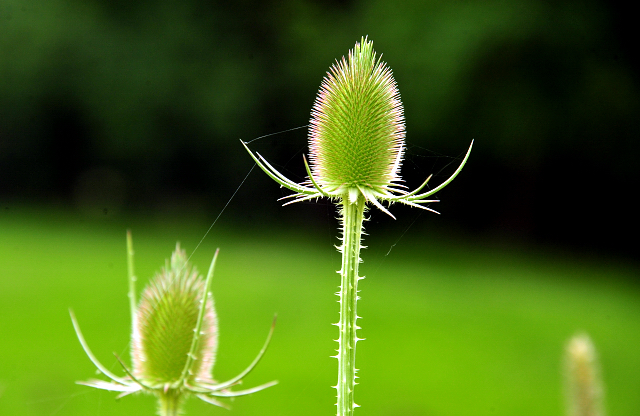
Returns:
(156,94)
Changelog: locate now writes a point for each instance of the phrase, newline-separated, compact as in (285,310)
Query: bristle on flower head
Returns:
(356,133)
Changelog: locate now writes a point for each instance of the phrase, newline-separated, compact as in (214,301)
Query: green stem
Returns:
(131,276)
(352,217)
(169,403)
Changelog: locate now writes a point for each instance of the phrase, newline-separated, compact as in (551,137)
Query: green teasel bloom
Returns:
(356,135)
(357,138)
(163,329)
(174,339)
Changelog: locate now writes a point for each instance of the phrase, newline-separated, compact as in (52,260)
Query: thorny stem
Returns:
(352,218)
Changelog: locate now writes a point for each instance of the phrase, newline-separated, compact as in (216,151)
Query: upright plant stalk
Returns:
(356,147)
(352,217)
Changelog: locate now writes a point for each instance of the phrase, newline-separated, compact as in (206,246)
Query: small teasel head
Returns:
(174,339)
(164,324)
(356,132)
(583,384)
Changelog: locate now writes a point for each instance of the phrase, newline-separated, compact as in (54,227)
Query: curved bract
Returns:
(305,192)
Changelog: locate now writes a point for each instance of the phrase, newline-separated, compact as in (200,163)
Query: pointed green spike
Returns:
(255,361)
(92,357)
(448,181)
(196,333)
(132,277)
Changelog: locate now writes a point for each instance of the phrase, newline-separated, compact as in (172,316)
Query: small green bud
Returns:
(164,325)
(174,340)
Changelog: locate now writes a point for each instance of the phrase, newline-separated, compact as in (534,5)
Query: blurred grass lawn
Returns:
(451,329)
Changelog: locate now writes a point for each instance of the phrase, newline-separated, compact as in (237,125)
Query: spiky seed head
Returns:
(356,132)
(164,326)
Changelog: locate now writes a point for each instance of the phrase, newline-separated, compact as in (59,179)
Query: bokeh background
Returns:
(118,114)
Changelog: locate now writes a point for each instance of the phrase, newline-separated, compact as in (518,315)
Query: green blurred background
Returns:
(120,114)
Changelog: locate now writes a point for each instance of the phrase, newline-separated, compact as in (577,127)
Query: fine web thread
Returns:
(229,200)
(223,209)
(241,183)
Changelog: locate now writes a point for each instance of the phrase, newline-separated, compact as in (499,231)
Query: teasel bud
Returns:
(584,387)
(164,324)
(174,340)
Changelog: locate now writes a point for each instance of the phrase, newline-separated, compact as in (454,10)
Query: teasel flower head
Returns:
(174,340)
(357,137)
(356,134)
(163,329)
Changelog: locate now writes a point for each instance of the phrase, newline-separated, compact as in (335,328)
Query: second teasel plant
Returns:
(174,340)
(356,149)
